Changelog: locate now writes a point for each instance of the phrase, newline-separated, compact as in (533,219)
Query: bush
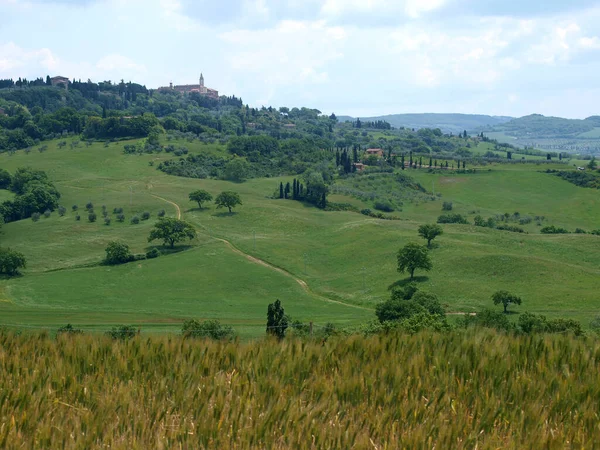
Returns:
(92,217)
(89,206)
(74,207)
(512,228)
(123,332)
(447,206)
(135,220)
(107,221)
(47,213)
(68,329)
(105,213)
(35,216)
(366,211)
(153,253)
(62,211)
(595,232)
(209,329)
(118,211)
(551,229)
(489,319)
(452,218)
(161,213)
(384,206)
(78,217)
(117,253)
(145,215)
(120,217)
(580,231)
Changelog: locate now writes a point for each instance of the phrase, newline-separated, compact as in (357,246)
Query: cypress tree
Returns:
(337,158)
(410,161)
(402,161)
(420,162)
(430,162)
(280,190)
(294,188)
(464,164)
(355,154)
(287,189)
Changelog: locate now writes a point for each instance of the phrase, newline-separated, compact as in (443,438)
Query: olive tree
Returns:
(11,261)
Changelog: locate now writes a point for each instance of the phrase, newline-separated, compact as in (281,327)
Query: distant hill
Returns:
(448,123)
(551,133)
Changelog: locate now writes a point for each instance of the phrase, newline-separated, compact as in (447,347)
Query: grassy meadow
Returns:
(459,390)
(346,260)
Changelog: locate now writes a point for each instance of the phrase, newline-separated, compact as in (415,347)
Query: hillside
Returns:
(550,133)
(448,123)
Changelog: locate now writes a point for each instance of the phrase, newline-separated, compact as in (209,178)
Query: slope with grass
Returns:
(341,256)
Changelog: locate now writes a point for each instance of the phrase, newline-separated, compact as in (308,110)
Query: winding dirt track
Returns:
(261,262)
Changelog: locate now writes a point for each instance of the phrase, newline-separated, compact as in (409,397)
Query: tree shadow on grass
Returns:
(407,281)
(225,214)
(9,277)
(166,250)
(197,209)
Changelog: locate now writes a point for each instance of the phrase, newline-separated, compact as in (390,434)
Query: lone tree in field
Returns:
(200,196)
(412,257)
(11,261)
(430,232)
(277,321)
(506,298)
(228,199)
(171,231)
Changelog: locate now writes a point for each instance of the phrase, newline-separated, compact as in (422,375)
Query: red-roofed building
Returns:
(375,151)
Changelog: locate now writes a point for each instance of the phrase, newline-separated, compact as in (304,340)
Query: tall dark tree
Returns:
(402,161)
(286,191)
(410,161)
(277,321)
(281,190)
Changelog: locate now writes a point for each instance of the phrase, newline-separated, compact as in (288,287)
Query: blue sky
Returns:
(355,57)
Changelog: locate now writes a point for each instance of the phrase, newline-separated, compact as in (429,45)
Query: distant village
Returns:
(188,88)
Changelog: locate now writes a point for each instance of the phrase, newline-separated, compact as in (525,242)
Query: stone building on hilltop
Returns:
(188,88)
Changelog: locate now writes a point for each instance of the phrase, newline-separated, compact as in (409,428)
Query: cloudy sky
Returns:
(355,57)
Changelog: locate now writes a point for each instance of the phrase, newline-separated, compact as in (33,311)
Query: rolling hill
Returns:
(448,123)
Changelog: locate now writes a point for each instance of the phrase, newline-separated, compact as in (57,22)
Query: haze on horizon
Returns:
(351,57)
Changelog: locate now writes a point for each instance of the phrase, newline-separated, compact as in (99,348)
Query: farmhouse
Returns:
(359,166)
(375,151)
(60,81)
(189,88)
(2,112)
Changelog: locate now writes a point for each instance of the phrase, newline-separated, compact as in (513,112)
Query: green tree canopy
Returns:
(236,170)
(117,253)
(430,232)
(200,196)
(228,199)
(171,231)
(505,298)
(11,261)
(412,257)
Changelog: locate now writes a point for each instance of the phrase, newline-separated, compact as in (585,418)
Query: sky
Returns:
(352,57)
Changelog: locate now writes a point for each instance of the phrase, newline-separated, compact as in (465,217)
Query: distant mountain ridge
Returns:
(448,123)
(549,133)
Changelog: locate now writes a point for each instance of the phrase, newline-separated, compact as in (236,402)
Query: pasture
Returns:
(324,266)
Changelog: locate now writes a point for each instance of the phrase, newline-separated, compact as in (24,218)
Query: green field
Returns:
(345,259)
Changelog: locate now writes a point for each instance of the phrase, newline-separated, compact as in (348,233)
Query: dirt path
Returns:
(172,203)
(263,263)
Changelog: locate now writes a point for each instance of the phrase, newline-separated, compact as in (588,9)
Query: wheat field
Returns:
(476,389)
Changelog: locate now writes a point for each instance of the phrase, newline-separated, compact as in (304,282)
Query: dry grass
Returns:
(474,390)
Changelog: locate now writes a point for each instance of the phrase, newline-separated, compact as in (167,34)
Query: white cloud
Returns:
(14,57)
